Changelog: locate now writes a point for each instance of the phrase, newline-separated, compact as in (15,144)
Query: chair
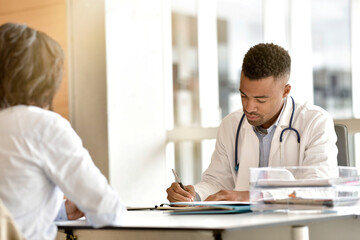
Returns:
(342,145)
(8,228)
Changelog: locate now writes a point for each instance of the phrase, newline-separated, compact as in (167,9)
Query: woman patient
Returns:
(41,156)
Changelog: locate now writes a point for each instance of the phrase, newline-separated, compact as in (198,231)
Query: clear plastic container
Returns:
(303,188)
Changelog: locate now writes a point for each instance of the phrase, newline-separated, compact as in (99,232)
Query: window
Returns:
(185,88)
(332,61)
(325,31)
(239,25)
(206,79)
(332,56)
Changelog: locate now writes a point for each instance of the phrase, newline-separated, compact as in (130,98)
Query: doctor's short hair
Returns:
(265,60)
(31,66)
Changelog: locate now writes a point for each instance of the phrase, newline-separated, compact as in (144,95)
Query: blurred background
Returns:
(147,82)
(317,33)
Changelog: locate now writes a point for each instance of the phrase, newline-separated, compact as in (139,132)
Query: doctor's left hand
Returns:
(229,195)
(72,210)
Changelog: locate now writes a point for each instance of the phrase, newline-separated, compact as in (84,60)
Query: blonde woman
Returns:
(41,156)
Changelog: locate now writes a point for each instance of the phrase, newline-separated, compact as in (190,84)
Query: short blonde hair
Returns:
(31,66)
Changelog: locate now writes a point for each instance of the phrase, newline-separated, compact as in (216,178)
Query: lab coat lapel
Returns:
(274,156)
(248,155)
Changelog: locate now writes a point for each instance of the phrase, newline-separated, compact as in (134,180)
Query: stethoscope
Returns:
(290,128)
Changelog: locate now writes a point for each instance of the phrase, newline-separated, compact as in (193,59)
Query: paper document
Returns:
(293,183)
(205,207)
(203,203)
(311,182)
(211,207)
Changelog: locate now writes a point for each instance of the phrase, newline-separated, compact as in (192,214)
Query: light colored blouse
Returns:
(41,157)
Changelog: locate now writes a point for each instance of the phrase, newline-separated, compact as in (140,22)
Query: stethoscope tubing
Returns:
(290,128)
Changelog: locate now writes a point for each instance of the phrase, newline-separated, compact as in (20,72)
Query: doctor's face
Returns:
(262,99)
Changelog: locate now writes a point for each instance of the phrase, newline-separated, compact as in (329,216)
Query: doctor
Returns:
(271,130)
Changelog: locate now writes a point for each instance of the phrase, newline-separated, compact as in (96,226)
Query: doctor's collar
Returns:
(264,131)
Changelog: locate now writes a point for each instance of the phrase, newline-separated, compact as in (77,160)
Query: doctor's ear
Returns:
(287,89)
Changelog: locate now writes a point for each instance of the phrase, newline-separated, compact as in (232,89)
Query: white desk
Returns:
(269,226)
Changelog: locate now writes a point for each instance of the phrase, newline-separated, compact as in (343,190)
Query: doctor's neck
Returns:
(272,120)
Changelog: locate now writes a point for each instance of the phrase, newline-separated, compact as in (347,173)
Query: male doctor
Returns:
(271,130)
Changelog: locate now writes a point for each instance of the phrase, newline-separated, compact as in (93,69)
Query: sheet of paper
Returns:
(205,203)
(211,207)
(292,183)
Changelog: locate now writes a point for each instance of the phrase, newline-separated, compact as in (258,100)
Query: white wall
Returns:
(136,104)
(87,77)
(117,93)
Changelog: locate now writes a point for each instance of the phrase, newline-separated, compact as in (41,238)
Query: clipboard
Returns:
(161,207)
(208,208)
(199,207)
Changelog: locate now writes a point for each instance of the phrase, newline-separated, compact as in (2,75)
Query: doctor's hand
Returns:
(228,195)
(72,210)
(177,194)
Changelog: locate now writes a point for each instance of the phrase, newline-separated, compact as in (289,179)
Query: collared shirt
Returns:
(265,137)
(40,156)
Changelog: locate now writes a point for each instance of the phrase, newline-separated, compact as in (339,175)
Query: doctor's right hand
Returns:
(177,194)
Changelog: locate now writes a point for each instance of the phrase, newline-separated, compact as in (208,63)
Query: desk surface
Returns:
(162,220)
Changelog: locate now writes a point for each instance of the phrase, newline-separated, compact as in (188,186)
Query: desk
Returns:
(270,226)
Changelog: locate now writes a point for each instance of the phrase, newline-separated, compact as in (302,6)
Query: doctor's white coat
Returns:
(317,147)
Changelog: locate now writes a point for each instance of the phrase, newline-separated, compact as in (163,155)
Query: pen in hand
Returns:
(178,179)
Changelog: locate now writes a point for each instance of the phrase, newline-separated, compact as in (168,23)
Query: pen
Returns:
(178,179)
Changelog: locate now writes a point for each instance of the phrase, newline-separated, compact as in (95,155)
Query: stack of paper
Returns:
(304,188)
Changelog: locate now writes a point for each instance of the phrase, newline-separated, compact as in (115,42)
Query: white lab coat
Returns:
(317,147)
